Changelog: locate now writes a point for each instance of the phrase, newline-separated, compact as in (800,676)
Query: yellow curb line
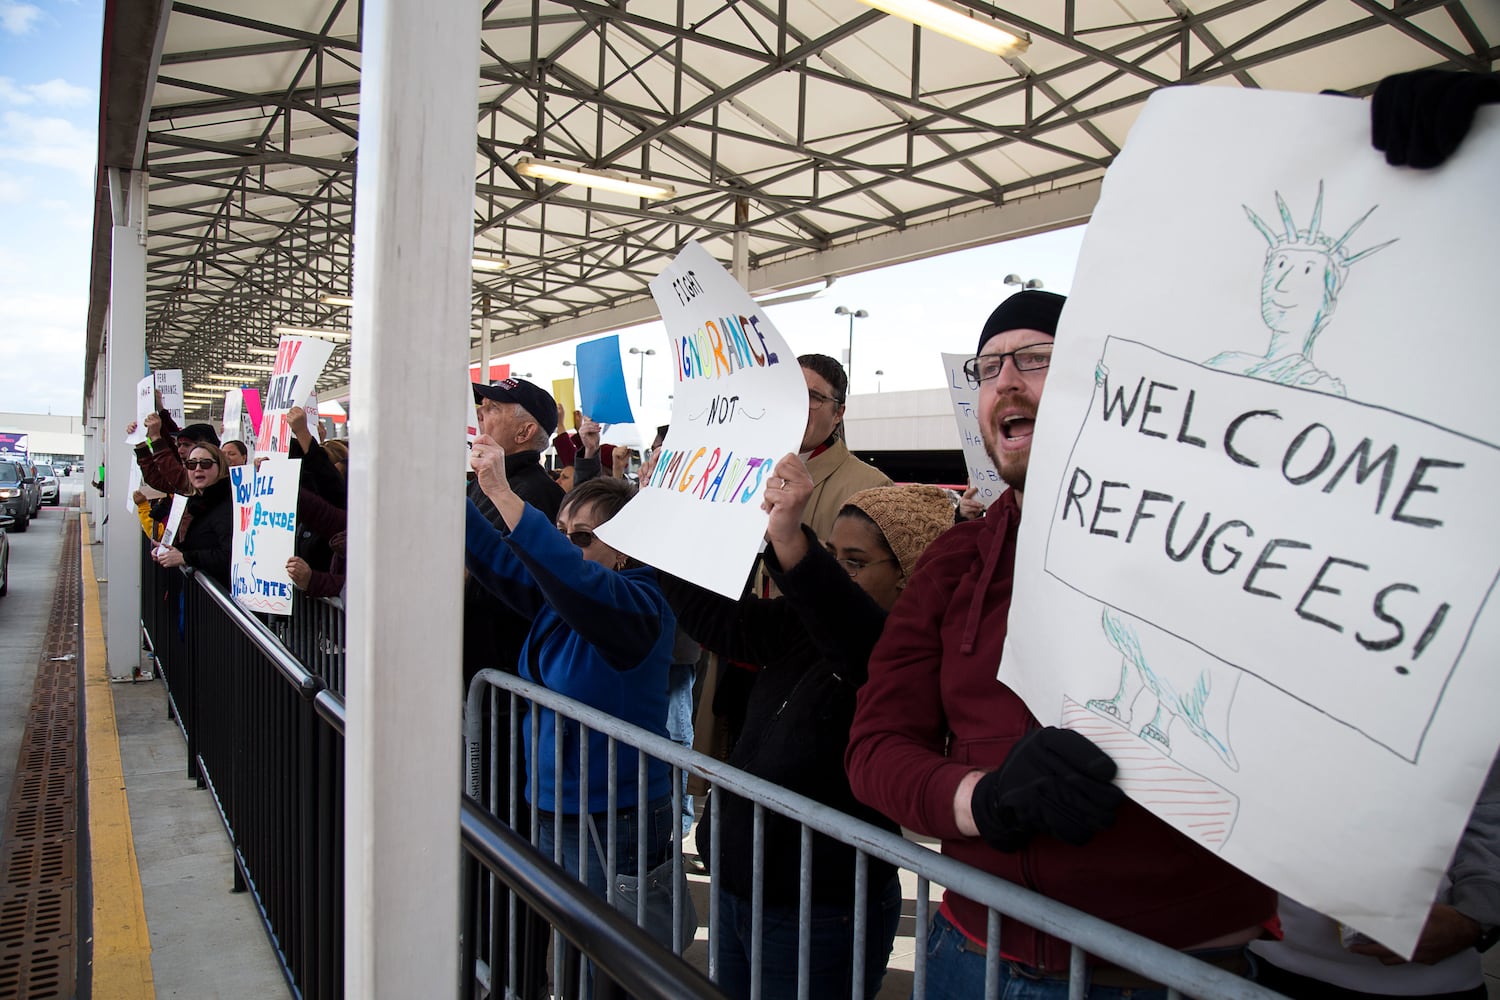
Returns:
(122,941)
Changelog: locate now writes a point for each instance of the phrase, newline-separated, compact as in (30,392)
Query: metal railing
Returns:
(496,703)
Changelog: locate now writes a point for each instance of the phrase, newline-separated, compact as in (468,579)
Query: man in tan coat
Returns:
(836,474)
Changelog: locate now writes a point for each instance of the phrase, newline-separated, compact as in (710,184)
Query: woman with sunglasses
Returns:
(813,643)
(601,633)
(206,533)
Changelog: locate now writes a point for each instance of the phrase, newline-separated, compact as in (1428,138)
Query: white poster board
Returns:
(145,405)
(265,533)
(137,482)
(299,362)
(169,384)
(234,408)
(982,475)
(1258,544)
(174,522)
(739,405)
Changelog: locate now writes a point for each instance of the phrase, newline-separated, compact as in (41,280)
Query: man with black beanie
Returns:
(945,749)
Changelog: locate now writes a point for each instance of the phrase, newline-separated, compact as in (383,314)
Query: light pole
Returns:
(878,373)
(853,315)
(1030,284)
(640,381)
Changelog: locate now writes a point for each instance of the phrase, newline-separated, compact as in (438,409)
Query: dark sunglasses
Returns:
(199,463)
(582,538)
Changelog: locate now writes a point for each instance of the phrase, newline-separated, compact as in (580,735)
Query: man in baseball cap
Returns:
(520,416)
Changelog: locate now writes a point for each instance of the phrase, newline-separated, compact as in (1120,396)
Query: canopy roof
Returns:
(826,135)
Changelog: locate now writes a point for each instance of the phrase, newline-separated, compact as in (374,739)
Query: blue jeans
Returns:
(680,725)
(658,837)
(955,968)
(830,946)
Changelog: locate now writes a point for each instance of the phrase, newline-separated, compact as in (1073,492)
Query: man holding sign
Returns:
(944,749)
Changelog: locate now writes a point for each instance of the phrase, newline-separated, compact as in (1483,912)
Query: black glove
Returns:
(1054,781)
(1418,119)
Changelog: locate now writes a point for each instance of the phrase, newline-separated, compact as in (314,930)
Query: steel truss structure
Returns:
(803,138)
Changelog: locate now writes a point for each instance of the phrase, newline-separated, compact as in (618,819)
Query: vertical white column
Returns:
(413,240)
(484,348)
(126,354)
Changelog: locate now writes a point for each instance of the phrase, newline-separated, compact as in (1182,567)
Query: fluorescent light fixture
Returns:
(204,387)
(960,25)
(240,366)
(606,180)
(236,379)
(491,265)
(336,300)
(265,352)
(341,336)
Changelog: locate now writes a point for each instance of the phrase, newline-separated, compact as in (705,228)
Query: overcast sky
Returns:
(49,77)
(49,106)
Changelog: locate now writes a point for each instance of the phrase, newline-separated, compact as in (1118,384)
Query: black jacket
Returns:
(814,643)
(493,633)
(206,541)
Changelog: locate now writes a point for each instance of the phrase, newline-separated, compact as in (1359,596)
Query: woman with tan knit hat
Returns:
(814,644)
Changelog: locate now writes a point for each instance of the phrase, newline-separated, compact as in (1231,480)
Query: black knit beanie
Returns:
(1028,310)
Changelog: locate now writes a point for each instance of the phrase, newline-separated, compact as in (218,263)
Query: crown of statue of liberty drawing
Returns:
(1313,239)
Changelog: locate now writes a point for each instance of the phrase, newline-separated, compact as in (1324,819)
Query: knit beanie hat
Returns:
(1028,310)
(910,517)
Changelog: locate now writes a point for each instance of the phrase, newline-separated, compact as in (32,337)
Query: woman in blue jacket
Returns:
(601,633)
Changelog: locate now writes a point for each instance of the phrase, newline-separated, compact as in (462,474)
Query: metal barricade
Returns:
(314,633)
(492,732)
(268,741)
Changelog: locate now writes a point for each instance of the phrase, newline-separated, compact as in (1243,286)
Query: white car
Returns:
(46,479)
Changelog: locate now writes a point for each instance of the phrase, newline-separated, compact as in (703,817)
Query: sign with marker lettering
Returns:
(265,533)
(982,475)
(169,385)
(299,362)
(1258,557)
(739,404)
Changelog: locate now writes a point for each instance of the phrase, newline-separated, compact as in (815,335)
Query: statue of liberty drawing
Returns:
(1303,274)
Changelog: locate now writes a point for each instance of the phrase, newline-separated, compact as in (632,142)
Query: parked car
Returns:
(29,480)
(46,481)
(5,522)
(15,496)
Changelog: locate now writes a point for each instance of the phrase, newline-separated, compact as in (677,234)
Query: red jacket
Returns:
(932,711)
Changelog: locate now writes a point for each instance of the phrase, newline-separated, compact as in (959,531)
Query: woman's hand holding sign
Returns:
(487,459)
(785,498)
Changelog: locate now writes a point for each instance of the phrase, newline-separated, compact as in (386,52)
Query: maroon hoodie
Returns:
(932,711)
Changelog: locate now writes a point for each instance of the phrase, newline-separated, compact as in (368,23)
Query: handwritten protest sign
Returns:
(739,405)
(174,522)
(169,385)
(1258,547)
(299,362)
(137,483)
(265,532)
(982,474)
(145,405)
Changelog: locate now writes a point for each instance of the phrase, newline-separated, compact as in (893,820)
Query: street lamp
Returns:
(853,315)
(1030,284)
(640,381)
(878,373)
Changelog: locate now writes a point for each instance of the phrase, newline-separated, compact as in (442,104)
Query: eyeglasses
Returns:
(582,538)
(199,463)
(853,566)
(816,400)
(1032,358)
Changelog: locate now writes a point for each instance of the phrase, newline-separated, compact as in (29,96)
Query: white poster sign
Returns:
(234,408)
(174,522)
(299,362)
(982,475)
(145,405)
(137,483)
(1258,551)
(739,405)
(265,533)
(169,384)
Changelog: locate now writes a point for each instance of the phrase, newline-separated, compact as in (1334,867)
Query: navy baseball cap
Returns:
(535,400)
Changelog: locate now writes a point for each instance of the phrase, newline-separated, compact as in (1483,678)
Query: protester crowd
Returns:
(859,669)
